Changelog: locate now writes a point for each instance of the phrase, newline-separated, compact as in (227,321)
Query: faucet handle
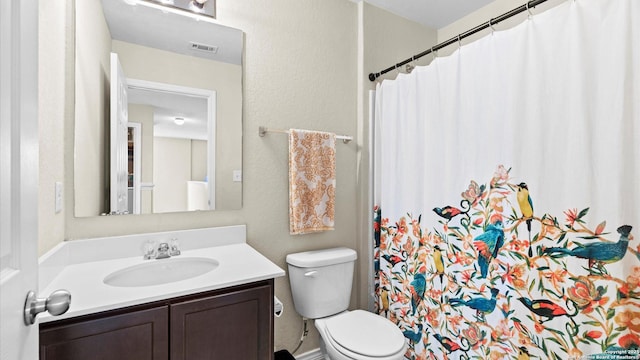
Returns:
(150,249)
(174,247)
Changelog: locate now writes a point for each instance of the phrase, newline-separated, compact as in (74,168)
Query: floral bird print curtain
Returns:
(467,289)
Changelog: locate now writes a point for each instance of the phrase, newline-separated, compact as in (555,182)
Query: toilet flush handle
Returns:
(310,273)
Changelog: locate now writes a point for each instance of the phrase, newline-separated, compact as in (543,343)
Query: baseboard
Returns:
(311,355)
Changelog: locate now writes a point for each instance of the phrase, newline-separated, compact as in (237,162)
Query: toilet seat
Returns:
(357,335)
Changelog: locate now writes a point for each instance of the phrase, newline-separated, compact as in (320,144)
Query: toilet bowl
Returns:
(321,287)
(360,335)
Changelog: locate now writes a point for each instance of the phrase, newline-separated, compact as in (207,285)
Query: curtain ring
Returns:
(411,65)
(459,42)
(529,11)
(434,53)
(491,26)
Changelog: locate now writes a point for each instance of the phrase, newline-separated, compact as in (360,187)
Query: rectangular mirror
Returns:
(178,146)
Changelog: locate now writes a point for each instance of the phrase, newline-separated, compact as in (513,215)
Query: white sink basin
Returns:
(157,272)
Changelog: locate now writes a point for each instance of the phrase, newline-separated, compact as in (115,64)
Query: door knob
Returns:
(56,304)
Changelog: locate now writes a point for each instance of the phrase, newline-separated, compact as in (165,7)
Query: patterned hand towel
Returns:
(312,181)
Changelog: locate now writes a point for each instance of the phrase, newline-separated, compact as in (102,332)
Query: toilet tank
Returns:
(321,281)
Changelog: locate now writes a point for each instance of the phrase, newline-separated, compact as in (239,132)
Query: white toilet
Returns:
(321,287)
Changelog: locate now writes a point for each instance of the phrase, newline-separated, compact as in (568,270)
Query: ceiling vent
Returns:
(203,47)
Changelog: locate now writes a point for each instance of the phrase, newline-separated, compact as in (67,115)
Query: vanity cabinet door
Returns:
(231,325)
(134,335)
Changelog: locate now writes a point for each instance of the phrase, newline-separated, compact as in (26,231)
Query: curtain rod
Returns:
(262,131)
(489,24)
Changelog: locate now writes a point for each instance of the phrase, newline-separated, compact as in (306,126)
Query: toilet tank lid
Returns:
(323,257)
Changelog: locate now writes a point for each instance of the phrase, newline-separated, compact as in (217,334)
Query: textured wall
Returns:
(300,71)
(53,106)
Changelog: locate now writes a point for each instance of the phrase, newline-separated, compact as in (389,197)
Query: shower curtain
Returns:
(507,184)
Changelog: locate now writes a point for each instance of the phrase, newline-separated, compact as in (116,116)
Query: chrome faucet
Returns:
(163,251)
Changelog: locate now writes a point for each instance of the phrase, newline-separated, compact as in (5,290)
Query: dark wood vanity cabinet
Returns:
(233,323)
(134,335)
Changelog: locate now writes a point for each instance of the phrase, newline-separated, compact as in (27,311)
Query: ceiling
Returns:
(149,26)
(431,13)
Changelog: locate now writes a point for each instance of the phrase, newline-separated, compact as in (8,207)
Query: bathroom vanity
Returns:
(233,323)
(225,313)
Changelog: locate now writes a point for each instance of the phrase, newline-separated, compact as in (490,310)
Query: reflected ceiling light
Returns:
(196,9)
(198,4)
(179,121)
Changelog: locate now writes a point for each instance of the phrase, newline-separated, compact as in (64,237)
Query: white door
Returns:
(18,175)
(118,146)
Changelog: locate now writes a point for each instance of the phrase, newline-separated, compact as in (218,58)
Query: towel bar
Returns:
(262,131)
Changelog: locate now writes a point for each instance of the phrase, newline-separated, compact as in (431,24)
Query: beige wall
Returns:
(300,71)
(305,66)
(53,107)
(92,108)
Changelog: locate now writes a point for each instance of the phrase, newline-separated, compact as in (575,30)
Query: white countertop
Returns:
(239,264)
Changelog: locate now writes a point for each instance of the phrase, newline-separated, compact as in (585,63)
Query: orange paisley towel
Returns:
(312,181)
